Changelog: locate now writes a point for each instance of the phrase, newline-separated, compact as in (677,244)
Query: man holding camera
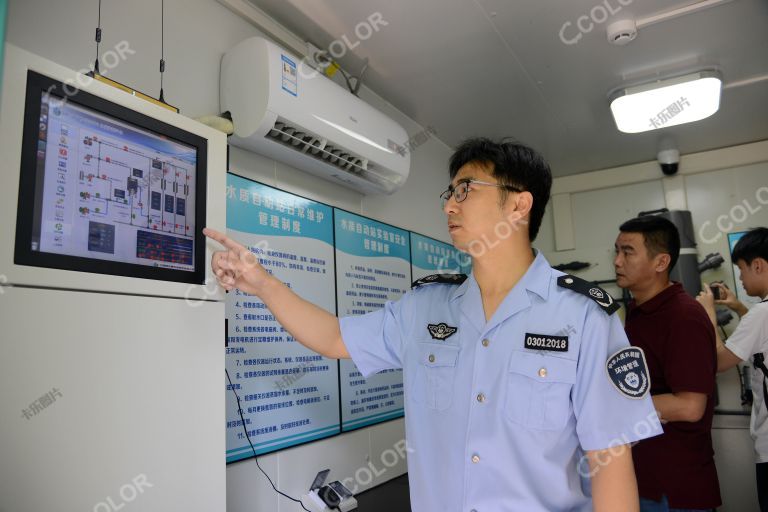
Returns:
(749,340)
(675,471)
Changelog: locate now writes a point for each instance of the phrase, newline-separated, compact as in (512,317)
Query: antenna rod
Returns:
(98,40)
(162,48)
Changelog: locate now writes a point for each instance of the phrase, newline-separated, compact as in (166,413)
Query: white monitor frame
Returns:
(17,63)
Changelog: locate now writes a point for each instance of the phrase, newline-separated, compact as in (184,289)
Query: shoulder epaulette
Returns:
(440,278)
(589,290)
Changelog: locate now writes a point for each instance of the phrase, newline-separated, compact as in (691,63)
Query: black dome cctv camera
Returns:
(669,160)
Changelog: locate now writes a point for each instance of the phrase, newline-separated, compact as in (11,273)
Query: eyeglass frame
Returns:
(451,190)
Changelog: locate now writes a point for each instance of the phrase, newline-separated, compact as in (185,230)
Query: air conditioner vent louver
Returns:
(302,140)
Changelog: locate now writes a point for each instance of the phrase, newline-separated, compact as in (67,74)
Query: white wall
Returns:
(122,410)
(715,186)
(197,33)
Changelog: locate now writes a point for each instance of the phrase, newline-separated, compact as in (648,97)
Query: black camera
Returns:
(332,496)
(329,496)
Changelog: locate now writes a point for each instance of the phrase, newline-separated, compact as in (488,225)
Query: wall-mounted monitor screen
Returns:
(109,190)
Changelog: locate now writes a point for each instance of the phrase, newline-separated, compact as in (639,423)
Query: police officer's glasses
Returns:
(461,190)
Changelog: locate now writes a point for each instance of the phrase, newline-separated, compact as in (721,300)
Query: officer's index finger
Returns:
(222,239)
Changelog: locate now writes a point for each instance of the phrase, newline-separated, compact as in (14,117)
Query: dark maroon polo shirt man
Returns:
(679,343)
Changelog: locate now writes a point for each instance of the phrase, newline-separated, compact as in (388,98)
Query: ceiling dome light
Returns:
(666,103)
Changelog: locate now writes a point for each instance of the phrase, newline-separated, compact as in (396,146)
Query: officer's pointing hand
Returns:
(237,266)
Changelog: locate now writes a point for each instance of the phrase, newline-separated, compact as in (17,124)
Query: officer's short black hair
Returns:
(511,164)
(659,234)
(753,244)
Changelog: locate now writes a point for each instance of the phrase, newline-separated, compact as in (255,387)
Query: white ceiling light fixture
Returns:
(666,103)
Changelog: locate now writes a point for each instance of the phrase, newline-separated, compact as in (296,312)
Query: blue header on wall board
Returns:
(431,254)
(259,209)
(361,236)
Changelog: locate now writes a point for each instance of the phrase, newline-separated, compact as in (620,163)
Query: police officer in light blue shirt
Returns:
(521,390)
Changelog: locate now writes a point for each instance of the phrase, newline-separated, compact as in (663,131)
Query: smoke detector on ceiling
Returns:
(622,32)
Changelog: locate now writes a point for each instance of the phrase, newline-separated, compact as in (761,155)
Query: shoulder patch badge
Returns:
(628,372)
(597,294)
(441,331)
(440,278)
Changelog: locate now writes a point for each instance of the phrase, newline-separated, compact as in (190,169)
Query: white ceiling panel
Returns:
(500,68)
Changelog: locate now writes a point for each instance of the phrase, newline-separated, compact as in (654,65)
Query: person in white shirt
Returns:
(750,339)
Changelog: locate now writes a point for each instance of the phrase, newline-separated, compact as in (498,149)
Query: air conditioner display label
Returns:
(290,76)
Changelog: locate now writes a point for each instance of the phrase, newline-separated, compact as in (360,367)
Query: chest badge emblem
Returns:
(441,331)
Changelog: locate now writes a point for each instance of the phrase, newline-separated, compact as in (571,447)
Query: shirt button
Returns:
(481,397)
(542,372)
(431,358)
(485,342)
(475,458)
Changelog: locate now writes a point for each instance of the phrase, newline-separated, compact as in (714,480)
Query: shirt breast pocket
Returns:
(435,374)
(539,390)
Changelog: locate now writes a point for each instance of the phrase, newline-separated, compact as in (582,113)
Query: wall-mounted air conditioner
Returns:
(283,109)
